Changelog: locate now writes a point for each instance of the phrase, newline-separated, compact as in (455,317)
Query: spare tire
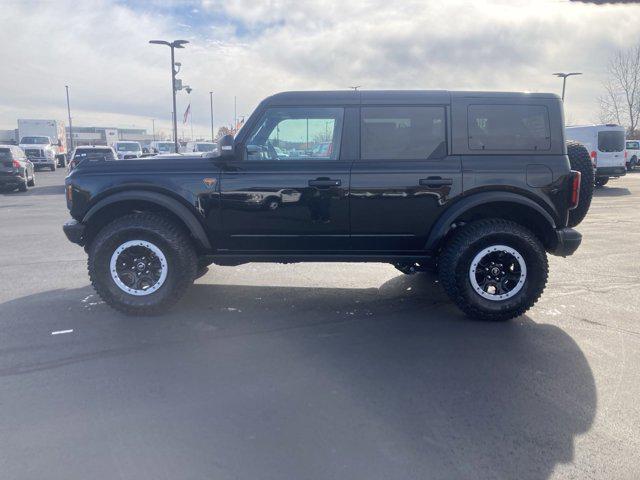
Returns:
(581,161)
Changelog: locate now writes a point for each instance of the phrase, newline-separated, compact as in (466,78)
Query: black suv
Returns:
(475,185)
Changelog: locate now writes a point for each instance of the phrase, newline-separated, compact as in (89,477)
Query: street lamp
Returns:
(173,45)
(564,76)
(211,101)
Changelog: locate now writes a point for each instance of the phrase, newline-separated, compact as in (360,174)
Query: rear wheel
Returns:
(24,186)
(493,269)
(32,182)
(581,161)
(141,264)
(52,167)
(601,181)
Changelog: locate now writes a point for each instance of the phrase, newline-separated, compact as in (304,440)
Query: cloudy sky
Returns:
(253,48)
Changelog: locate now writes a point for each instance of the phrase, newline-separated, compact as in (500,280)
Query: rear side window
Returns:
(611,141)
(5,154)
(94,154)
(508,127)
(403,133)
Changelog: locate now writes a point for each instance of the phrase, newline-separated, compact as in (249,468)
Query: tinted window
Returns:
(633,145)
(297,134)
(93,154)
(508,127)
(611,141)
(5,154)
(403,133)
(205,147)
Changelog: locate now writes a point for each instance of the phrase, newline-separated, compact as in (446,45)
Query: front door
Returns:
(289,191)
(403,179)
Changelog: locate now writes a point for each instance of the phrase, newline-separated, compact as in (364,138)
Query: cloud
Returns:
(252,49)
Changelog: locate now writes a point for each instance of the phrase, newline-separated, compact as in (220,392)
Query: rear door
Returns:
(611,145)
(403,179)
(287,193)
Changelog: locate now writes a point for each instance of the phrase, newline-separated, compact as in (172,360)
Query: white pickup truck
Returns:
(44,142)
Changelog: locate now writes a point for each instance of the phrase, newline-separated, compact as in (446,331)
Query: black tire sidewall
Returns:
(100,257)
(534,282)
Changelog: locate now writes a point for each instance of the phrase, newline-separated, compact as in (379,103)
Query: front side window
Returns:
(403,133)
(297,134)
(508,127)
(611,141)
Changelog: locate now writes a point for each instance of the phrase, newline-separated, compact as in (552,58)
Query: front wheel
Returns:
(142,263)
(493,269)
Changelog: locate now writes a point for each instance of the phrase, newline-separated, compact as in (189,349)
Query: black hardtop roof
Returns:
(357,97)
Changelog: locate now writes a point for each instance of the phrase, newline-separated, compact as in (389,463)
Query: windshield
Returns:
(34,140)
(166,147)
(611,141)
(633,145)
(129,147)
(205,147)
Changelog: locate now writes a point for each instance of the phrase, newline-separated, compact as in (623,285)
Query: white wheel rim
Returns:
(113,268)
(479,268)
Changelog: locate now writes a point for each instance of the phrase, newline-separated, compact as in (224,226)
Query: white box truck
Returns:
(44,142)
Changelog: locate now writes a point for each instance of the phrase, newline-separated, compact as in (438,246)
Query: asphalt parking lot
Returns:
(317,371)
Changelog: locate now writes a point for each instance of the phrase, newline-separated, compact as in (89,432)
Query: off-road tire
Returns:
(601,181)
(581,161)
(455,262)
(168,237)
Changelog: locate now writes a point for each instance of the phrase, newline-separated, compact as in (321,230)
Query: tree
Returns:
(621,101)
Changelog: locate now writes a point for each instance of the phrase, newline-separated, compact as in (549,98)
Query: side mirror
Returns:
(226,146)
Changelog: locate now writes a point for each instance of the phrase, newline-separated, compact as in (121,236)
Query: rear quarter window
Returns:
(5,154)
(508,127)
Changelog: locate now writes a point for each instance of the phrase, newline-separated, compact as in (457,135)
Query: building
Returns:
(108,135)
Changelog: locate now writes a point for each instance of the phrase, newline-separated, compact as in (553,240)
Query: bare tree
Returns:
(621,101)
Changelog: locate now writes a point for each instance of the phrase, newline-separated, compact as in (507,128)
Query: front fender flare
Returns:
(162,200)
(443,224)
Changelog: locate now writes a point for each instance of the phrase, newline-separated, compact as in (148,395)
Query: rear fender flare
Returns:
(443,224)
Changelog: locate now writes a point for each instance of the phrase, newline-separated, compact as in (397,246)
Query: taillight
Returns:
(575,189)
(625,154)
(594,157)
(16,164)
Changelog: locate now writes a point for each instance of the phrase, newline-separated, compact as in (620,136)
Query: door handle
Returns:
(325,182)
(435,181)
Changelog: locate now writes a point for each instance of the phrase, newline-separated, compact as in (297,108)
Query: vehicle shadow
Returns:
(388,382)
(611,192)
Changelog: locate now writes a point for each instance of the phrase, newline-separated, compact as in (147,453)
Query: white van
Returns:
(606,145)
(199,148)
(633,154)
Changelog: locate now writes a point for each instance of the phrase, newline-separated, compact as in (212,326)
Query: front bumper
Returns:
(568,241)
(611,171)
(42,161)
(74,232)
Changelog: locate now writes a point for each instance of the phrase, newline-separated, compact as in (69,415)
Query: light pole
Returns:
(173,45)
(564,76)
(153,126)
(211,101)
(70,125)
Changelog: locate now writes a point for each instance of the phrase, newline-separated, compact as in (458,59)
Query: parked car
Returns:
(41,151)
(633,154)
(162,147)
(16,170)
(606,144)
(91,153)
(126,150)
(53,130)
(201,148)
(477,185)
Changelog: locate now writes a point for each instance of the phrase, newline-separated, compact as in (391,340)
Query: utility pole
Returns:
(211,101)
(564,76)
(70,124)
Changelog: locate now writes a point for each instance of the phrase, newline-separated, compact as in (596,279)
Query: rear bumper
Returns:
(568,241)
(13,180)
(611,171)
(74,232)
